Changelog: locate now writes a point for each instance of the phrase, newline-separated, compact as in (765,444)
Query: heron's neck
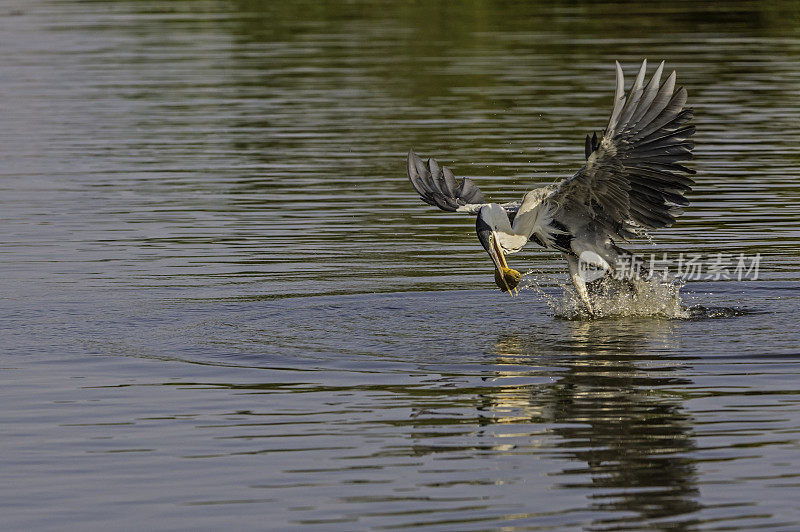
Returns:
(533,215)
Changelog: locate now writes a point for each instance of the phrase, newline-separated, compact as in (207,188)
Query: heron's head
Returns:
(491,219)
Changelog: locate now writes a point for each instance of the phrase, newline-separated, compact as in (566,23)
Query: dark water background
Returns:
(221,305)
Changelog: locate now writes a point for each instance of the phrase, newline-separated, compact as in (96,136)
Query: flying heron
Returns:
(632,182)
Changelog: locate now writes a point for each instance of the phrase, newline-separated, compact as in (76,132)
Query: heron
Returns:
(632,181)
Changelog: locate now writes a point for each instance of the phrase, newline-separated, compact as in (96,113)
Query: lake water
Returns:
(222,305)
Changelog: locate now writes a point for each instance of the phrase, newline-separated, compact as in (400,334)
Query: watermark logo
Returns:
(592,266)
(687,267)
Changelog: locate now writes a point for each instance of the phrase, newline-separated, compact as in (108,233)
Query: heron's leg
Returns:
(579,282)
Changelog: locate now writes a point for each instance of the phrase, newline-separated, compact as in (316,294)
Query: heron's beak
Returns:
(506,278)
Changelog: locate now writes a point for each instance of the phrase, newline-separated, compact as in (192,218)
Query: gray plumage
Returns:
(438,186)
(633,180)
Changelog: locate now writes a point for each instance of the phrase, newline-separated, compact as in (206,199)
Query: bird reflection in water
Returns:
(611,411)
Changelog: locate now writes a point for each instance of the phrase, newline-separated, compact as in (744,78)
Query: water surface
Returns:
(222,305)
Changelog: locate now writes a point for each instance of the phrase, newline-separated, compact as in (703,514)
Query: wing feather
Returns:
(619,99)
(437,186)
(650,91)
(450,182)
(633,96)
(633,174)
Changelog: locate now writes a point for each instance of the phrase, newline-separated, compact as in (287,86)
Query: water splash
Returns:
(611,298)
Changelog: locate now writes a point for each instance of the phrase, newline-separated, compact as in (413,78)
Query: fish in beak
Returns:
(506,278)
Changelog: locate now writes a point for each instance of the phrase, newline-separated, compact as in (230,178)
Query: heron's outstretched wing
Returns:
(437,186)
(632,175)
